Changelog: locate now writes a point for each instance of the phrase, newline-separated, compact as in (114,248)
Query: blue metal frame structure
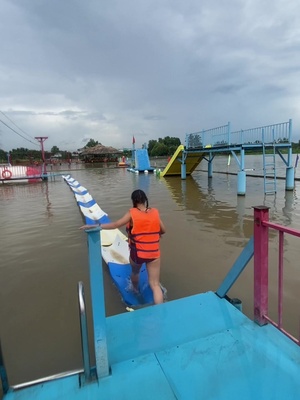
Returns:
(221,140)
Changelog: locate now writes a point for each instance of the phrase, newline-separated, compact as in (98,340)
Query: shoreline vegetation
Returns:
(26,158)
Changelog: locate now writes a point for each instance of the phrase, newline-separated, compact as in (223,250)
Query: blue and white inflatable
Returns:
(114,249)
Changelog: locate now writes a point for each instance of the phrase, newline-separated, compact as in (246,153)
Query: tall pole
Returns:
(133,153)
(41,139)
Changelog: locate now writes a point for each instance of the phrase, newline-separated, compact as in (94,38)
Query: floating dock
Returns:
(199,347)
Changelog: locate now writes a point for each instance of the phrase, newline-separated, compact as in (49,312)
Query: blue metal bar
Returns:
(98,304)
(242,159)
(210,166)
(282,157)
(84,333)
(229,133)
(236,159)
(183,166)
(290,130)
(237,268)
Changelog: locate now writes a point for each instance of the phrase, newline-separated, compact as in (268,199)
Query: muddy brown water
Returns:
(44,254)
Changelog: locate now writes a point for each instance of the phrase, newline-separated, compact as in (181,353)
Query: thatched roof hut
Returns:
(100,153)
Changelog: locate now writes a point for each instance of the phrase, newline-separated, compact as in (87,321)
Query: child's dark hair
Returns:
(139,197)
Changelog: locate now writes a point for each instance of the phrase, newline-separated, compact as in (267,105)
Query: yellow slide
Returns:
(174,165)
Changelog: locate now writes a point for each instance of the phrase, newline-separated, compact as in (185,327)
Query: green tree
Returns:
(159,149)
(167,146)
(91,143)
(54,150)
(151,145)
(3,156)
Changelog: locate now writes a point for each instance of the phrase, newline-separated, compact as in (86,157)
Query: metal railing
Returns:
(276,133)
(222,136)
(261,264)
(210,137)
(20,172)
(258,247)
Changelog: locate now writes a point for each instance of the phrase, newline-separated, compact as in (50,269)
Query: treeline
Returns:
(163,147)
(24,154)
(296,147)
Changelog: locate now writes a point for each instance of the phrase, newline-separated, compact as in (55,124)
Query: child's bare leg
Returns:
(153,268)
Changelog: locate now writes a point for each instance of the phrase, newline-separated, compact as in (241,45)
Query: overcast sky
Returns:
(110,69)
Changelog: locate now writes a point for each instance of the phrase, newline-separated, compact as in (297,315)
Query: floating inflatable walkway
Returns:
(174,165)
(114,248)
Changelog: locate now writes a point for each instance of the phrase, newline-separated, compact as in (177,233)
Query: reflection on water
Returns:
(289,206)
(204,206)
(45,190)
(44,255)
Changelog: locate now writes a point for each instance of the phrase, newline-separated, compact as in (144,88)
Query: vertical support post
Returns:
(229,134)
(183,170)
(210,166)
(98,304)
(133,153)
(41,139)
(290,130)
(261,261)
(242,136)
(183,166)
(290,173)
(187,140)
(241,176)
(84,333)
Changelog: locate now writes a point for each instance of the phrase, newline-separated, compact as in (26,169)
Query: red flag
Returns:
(133,140)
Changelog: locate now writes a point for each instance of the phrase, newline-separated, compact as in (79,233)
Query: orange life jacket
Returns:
(144,234)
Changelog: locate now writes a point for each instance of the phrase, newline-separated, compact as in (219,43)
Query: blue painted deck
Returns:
(199,347)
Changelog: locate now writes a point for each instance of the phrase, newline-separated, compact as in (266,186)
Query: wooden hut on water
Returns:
(100,153)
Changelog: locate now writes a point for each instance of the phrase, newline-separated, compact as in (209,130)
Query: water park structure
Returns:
(270,141)
(201,346)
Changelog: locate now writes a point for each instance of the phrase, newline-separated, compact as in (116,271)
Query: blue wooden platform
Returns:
(199,347)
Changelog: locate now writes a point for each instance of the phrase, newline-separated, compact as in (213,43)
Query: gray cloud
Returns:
(72,70)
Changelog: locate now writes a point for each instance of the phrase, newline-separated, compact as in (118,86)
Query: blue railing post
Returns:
(98,304)
(290,172)
(241,181)
(203,138)
(290,130)
(183,166)
(210,166)
(84,333)
(229,134)
(186,141)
